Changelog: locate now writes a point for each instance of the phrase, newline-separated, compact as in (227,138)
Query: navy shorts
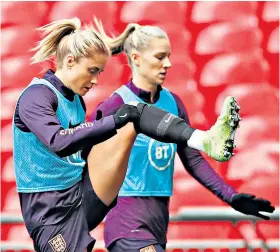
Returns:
(131,245)
(71,234)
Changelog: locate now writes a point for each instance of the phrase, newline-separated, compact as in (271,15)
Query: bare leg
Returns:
(107,163)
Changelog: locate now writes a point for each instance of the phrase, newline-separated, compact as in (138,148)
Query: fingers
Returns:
(264,208)
(268,209)
(264,205)
(262,201)
(262,216)
(134,113)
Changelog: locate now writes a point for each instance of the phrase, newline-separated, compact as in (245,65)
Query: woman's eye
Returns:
(159,57)
(93,72)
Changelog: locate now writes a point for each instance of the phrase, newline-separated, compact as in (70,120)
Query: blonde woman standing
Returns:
(139,221)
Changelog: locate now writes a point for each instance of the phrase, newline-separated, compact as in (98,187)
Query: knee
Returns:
(127,132)
(127,129)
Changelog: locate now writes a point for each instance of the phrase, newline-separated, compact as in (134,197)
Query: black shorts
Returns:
(71,233)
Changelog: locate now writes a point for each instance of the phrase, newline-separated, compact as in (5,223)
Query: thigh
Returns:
(107,163)
(131,245)
(71,235)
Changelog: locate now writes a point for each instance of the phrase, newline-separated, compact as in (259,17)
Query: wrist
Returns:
(231,197)
(116,121)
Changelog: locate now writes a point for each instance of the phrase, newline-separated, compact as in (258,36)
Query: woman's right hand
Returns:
(127,113)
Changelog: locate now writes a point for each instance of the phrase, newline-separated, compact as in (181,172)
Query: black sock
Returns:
(162,126)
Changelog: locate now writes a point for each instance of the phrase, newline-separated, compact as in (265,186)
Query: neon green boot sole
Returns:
(220,141)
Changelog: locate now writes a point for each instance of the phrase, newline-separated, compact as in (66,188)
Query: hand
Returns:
(127,113)
(249,204)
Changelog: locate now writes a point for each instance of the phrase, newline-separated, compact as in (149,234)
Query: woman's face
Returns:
(83,74)
(153,62)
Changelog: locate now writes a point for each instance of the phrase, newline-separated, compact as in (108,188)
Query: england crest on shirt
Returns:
(58,244)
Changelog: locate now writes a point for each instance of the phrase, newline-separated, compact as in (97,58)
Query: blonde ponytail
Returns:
(116,44)
(53,34)
(134,36)
(66,36)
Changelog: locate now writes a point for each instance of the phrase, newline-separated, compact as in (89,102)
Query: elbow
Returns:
(56,148)
(61,153)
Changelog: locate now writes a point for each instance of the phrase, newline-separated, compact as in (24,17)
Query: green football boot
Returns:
(219,143)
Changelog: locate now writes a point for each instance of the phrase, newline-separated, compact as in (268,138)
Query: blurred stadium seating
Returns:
(85,10)
(18,13)
(164,13)
(218,49)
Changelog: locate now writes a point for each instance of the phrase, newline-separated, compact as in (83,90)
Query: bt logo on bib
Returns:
(160,154)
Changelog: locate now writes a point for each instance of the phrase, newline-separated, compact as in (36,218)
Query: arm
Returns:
(107,108)
(37,111)
(199,168)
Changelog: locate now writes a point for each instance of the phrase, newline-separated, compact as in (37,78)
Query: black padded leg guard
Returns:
(162,126)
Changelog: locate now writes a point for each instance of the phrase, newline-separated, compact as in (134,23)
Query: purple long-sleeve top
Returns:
(36,112)
(149,216)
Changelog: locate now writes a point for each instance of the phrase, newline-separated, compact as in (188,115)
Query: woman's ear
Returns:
(70,61)
(135,57)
